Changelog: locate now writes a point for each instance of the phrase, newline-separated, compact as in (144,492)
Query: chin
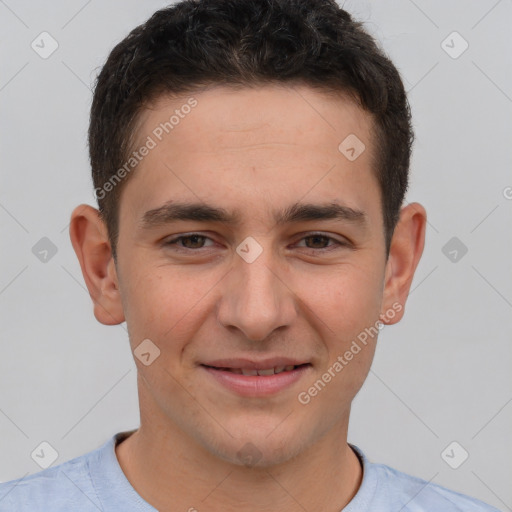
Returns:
(257,448)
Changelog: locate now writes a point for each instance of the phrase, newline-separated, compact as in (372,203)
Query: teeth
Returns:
(268,371)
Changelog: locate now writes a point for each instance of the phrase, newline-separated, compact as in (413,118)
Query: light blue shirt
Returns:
(95,482)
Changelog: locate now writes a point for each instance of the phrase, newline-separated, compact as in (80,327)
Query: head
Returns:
(195,44)
(288,131)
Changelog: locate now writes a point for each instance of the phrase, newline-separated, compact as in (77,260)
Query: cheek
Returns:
(346,309)
(347,304)
(165,303)
(346,300)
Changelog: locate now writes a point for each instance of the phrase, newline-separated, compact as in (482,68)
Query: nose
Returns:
(256,298)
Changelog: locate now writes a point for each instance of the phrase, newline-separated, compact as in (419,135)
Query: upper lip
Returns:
(252,364)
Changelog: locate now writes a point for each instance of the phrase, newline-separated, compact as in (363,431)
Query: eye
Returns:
(314,242)
(320,242)
(191,241)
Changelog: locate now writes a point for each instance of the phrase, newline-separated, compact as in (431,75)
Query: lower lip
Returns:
(257,385)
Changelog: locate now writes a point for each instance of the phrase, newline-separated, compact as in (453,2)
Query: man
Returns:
(250,160)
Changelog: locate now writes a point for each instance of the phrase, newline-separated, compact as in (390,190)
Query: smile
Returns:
(252,371)
(252,382)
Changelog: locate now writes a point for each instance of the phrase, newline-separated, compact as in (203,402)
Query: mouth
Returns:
(262,373)
(257,382)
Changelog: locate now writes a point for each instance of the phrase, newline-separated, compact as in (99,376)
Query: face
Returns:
(280,263)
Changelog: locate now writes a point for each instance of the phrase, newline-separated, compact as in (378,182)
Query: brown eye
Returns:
(319,242)
(193,241)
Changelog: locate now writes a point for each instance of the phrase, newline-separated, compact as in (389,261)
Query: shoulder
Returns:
(415,494)
(67,486)
(386,488)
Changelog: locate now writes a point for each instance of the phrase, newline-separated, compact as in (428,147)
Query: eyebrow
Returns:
(173,211)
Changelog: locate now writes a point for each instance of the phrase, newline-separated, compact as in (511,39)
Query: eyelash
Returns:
(337,243)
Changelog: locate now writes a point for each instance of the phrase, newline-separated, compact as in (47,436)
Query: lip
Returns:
(252,364)
(257,385)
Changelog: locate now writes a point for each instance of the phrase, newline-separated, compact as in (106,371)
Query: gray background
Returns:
(441,375)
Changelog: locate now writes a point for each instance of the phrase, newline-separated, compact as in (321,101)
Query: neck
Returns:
(171,471)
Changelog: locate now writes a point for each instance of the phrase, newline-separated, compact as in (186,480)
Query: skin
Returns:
(254,150)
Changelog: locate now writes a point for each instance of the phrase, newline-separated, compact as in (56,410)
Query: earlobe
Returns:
(89,238)
(405,252)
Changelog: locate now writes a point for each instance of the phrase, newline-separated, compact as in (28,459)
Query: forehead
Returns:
(253,144)
(269,112)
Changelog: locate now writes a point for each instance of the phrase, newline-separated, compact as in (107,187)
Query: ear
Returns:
(404,255)
(88,235)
